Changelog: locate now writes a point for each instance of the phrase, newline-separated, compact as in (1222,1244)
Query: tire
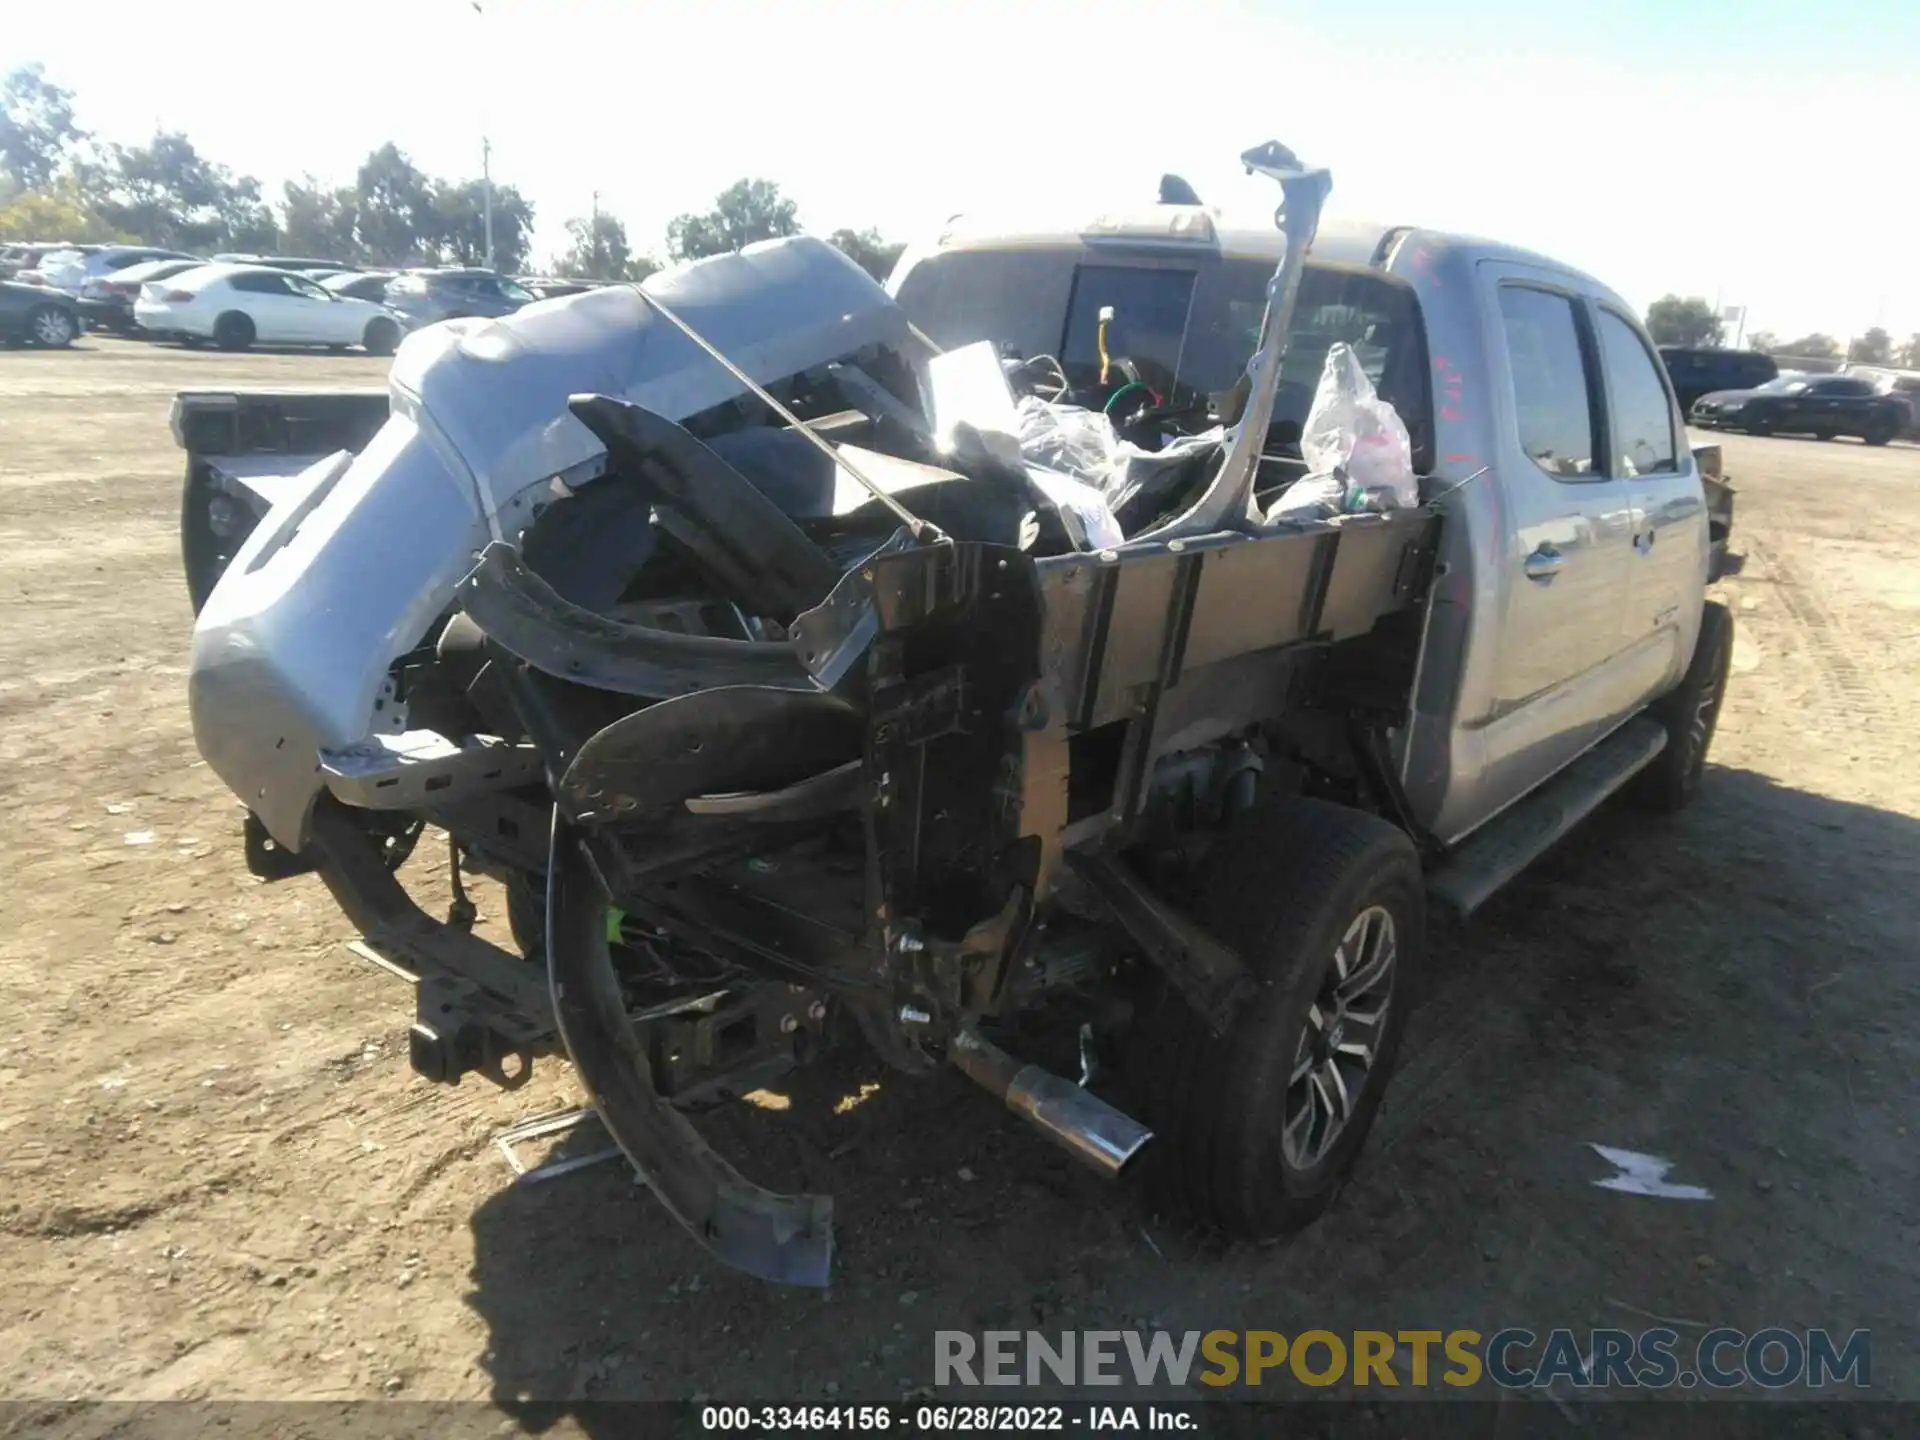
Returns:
(382,336)
(1881,430)
(1824,435)
(51,327)
(233,331)
(1241,1146)
(1761,424)
(1690,714)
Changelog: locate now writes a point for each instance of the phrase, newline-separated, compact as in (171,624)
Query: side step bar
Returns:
(1510,842)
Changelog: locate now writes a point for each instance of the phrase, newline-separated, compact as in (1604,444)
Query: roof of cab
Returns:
(1337,241)
(1176,226)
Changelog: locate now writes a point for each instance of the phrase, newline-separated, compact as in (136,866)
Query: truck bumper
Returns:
(375,544)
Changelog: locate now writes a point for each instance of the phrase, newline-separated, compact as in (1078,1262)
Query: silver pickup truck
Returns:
(789,715)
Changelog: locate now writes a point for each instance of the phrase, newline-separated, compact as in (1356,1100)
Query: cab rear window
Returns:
(1191,321)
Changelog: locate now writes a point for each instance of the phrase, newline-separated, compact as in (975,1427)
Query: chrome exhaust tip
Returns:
(1080,1122)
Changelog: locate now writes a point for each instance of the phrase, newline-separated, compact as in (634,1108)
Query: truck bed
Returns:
(242,446)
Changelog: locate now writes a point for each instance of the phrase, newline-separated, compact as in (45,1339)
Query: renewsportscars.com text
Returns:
(1513,1358)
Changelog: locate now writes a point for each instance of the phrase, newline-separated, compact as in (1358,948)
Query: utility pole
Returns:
(486,152)
(486,186)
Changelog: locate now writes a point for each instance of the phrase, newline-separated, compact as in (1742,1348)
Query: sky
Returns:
(1757,153)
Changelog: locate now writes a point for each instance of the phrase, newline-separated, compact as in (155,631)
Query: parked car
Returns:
(360,285)
(1696,372)
(771,752)
(22,256)
(236,305)
(70,270)
(547,289)
(300,263)
(106,301)
(1889,380)
(1819,405)
(420,297)
(37,315)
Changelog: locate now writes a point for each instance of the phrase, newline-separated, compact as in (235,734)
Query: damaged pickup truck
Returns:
(736,623)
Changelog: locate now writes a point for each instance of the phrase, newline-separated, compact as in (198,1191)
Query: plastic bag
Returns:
(1354,434)
(1313,497)
(1068,439)
(1083,509)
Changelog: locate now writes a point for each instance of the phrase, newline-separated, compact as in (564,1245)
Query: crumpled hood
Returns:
(494,392)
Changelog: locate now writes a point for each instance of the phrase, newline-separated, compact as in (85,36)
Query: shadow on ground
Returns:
(1731,989)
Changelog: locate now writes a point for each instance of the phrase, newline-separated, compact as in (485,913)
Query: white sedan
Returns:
(237,305)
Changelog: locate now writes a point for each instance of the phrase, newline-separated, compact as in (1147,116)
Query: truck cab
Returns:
(1576,547)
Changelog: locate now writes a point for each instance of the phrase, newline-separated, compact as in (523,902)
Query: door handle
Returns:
(1543,564)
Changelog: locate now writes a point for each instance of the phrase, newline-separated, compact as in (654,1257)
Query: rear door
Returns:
(458,297)
(1843,404)
(264,298)
(1666,565)
(314,314)
(489,297)
(1562,552)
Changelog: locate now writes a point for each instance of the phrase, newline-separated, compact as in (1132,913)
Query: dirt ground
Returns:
(221,1177)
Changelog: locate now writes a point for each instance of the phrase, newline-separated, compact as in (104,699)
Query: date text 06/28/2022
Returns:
(936,1418)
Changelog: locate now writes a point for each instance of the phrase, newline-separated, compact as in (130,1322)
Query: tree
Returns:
(1765,341)
(600,251)
(1910,356)
(62,213)
(37,132)
(246,223)
(1674,321)
(1873,348)
(746,211)
(1811,347)
(167,193)
(317,221)
(394,215)
(874,255)
(456,232)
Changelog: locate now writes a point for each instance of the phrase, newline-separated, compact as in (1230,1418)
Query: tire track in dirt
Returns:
(70,1221)
(1852,689)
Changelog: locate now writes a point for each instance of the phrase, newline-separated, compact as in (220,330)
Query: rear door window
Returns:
(1553,392)
(1149,319)
(1642,413)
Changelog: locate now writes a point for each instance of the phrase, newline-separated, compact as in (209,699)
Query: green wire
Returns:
(614,916)
(1107,409)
